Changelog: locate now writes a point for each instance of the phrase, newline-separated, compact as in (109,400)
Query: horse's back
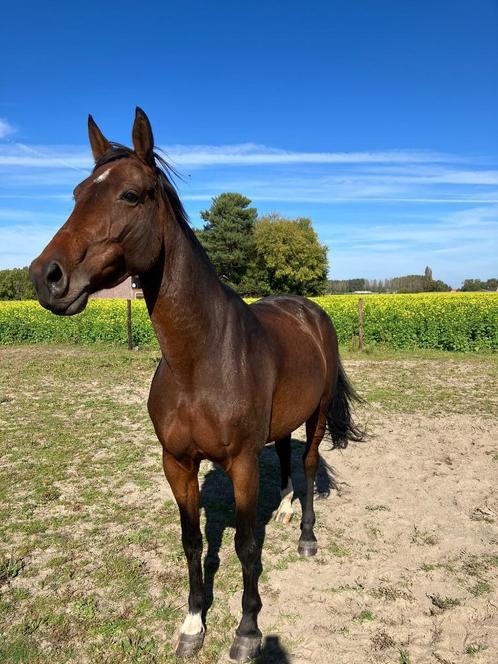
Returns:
(298,316)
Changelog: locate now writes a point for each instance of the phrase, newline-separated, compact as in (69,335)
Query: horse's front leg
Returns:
(244,473)
(185,486)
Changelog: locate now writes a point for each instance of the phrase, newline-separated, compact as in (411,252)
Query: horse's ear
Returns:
(98,142)
(143,140)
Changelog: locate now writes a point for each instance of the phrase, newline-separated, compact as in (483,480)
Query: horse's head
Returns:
(113,230)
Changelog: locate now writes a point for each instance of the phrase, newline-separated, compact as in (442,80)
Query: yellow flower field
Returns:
(446,321)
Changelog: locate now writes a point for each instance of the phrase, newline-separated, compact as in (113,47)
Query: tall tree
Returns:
(228,237)
(291,254)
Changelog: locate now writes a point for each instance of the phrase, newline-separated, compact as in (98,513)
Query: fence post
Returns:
(128,323)
(361,344)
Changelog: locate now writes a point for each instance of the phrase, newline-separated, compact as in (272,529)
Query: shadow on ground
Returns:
(272,652)
(217,501)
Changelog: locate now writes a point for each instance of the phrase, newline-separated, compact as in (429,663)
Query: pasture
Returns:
(91,563)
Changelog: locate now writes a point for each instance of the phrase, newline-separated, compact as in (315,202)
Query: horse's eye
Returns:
(130,197)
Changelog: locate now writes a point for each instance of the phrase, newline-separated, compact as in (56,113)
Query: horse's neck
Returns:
(188,305)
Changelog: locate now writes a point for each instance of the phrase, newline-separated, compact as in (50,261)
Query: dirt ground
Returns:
(92,567)
(408,551)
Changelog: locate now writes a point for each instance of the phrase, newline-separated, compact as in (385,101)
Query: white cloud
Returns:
(252,154)
(6,129)
(244,154)
(45,156)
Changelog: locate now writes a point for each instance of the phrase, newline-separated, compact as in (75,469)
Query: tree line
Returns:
(410,283)
(478,285)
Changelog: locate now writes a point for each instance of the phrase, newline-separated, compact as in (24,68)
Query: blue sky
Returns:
(377,119)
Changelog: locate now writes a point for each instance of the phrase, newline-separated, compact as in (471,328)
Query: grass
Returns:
(91,562)
(481,588)
(423,537)
(365,616)
(444,603)
(474,649)
(99,560)
(459,382)
(404,657)
(10,568)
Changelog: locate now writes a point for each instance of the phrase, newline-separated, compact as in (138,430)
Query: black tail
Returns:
(339,419)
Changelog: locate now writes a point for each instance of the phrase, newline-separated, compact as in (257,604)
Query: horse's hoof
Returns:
(189,644)
(307,549)
(245,648)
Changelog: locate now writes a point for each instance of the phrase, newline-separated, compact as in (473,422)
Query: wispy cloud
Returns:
(248,154)
(268,173)
(6,129)
(403,207)
(245,154)
(45,156)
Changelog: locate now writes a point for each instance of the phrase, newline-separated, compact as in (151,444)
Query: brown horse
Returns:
(232,377)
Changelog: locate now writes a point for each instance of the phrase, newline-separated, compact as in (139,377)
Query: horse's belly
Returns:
(298,395)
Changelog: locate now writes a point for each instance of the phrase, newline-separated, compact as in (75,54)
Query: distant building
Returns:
(129,289)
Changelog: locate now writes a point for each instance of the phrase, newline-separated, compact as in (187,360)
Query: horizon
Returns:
(376,122)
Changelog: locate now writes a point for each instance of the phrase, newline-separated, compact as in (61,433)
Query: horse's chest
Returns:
(211,430)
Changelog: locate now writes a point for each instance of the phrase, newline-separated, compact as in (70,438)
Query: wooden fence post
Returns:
(361,344)
(128,323)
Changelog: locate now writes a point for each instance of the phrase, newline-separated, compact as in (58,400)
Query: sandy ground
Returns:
(416,515)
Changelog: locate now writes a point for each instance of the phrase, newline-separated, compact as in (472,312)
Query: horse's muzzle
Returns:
(53,290)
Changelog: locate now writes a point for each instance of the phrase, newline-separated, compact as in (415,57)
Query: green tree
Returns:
(491,284)
(472,285)
(15,284)
(228,238)
(291,255)
(436,285)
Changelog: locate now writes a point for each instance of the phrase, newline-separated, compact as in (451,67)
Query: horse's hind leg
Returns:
(315,431)
(285,512)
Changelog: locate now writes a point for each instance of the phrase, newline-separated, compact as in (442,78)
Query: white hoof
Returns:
(285,512)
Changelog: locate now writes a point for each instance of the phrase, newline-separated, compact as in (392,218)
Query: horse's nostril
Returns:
(54,273)
(55,279)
